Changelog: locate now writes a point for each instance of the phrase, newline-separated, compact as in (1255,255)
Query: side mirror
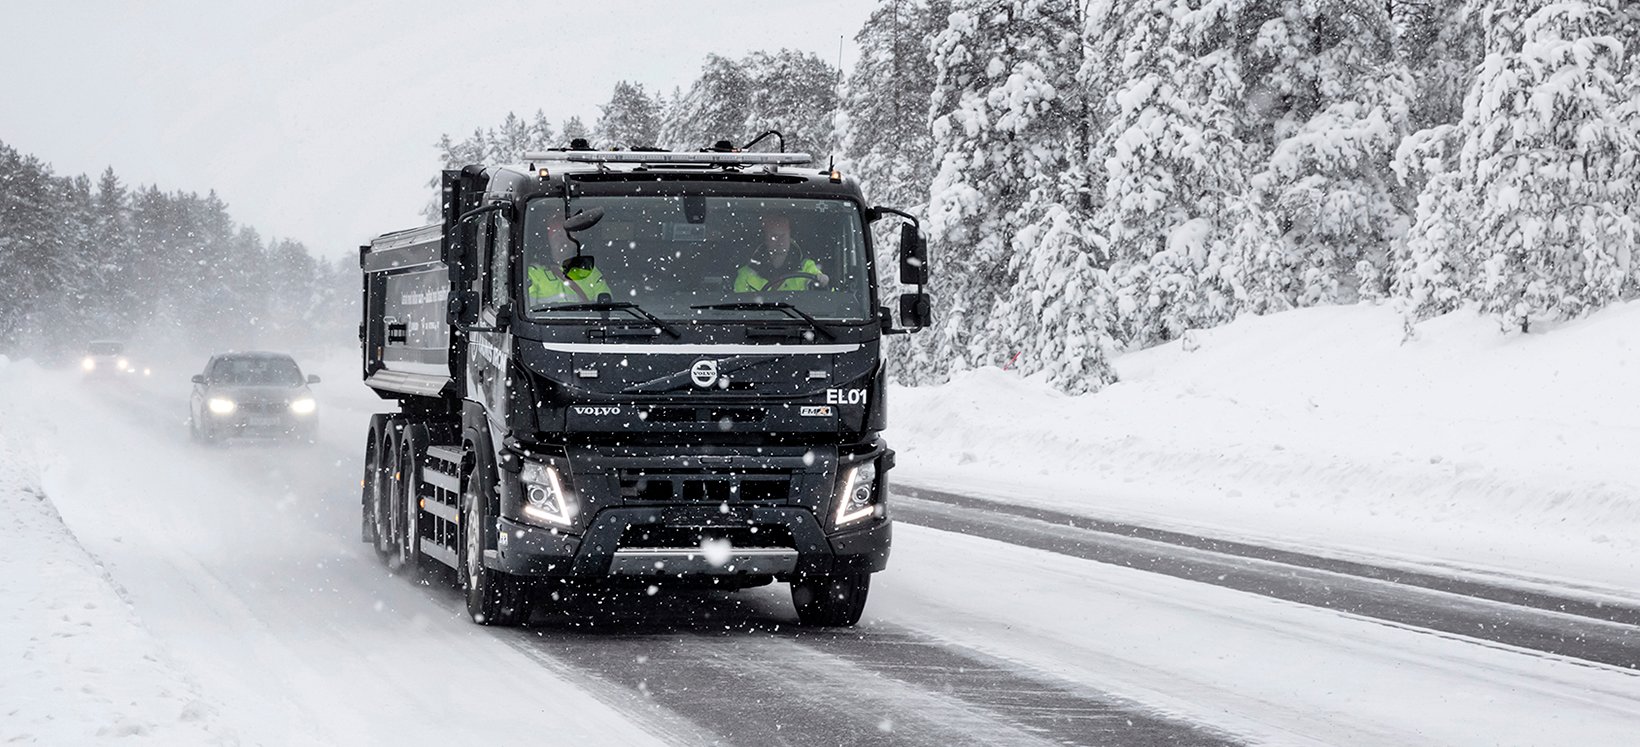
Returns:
(913,256)
(466,306)
(313,378)
(198,378)
(916,310)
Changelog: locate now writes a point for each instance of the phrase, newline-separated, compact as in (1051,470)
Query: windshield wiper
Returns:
(635,309)
(781,306)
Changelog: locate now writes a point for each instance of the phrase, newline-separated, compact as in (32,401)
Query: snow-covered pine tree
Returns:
(37,260)
(630,119)
(993,89)
(888,144)
(574,128)
(792,92)
(1535,219)
(1059,309)
(1441,45)
(514,138)
(1184,221)
(1332,103)
(714,108)
(111,236)
(886,139)
(542,136)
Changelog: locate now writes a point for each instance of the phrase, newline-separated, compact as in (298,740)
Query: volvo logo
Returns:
(704,373)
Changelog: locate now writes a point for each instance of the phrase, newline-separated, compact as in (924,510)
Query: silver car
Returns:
(255,395)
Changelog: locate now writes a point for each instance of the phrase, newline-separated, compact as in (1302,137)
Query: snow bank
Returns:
(1320,428)
(79,668)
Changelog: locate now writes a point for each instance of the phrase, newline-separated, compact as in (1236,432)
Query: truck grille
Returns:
(754,485)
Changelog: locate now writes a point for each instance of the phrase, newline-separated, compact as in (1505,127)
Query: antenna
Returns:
(831,158)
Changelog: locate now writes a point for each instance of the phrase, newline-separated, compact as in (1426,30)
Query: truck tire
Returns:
(831,600)
(367,490)
(493,597)
(379,484)
(412,449)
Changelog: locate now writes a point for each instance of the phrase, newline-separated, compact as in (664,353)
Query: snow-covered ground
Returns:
(1509,455)
(196,595)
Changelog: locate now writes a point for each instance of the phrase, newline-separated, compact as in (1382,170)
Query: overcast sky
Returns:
(316,120)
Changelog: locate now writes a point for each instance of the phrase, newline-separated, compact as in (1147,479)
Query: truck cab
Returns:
(637,367)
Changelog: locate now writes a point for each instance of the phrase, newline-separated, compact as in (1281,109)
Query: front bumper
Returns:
(265,426)
(528,550)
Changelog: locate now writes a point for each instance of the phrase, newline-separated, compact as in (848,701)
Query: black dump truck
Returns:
(637,367)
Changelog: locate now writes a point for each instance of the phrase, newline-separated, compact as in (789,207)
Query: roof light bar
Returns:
(644,156)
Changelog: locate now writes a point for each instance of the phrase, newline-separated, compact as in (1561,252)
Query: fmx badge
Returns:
(845,396)
(704,373)
(815,411)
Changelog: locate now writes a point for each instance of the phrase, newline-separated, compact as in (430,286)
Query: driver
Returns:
(549,282)
(779,259)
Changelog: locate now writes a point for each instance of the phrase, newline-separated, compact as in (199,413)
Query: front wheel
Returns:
(831,600)
(493,597)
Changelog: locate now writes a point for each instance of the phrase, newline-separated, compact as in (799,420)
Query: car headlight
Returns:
(222,405)
(123,364)
(857,498)
(304,406)
(89,364)
(545,499)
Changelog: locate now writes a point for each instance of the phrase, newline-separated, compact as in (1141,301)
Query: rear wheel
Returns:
(381,498)
(493,597)
(831,600)
(411,448)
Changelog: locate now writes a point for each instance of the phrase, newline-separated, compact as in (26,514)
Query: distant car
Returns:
(254,394)
(108,358)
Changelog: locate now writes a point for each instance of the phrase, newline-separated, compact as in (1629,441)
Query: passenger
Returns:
(551,284)
(777,259)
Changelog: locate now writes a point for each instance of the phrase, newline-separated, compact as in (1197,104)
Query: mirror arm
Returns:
(877,213)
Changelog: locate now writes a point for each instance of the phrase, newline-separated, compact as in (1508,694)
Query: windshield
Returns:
(106,348)
(257,371)
(674,254)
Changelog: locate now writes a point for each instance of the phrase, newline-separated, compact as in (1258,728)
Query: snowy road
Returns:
(245,565)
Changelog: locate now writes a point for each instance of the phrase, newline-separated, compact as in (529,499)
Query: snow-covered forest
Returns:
(1095,176)
(1104,176)
(83,260)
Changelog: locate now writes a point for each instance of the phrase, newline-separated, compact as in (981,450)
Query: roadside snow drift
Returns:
(1504,453)
(79,666)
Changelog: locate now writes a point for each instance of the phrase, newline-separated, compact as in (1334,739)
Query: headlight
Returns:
(222,405)
(304,406)
(89,364)
(545,499)
(123,364)
(857,499)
